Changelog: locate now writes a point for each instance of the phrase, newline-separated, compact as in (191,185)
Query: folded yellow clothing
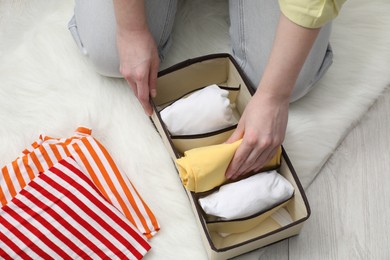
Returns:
(202,169)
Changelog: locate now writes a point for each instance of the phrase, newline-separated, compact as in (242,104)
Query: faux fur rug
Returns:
(47,86)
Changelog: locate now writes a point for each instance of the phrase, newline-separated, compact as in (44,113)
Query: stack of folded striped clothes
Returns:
(66,199)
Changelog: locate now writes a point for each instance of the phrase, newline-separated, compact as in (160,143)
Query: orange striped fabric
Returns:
(94,159)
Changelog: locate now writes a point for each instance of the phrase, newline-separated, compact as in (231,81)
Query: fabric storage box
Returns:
(246,234)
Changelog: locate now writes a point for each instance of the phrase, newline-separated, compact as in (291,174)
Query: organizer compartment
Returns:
(244,234)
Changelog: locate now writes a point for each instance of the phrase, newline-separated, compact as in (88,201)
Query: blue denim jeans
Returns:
(252,28)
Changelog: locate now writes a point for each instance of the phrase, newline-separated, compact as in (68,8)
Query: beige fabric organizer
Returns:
(249,233)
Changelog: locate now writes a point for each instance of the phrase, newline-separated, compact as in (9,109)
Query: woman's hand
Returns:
(263,123)
(137,50)
(139,63)
(262,128)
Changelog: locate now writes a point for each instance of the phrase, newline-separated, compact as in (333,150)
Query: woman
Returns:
(283,47)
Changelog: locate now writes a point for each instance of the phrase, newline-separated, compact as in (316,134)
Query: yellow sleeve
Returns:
(310,13)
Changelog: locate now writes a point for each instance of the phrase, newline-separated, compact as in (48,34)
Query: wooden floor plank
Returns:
(350,199)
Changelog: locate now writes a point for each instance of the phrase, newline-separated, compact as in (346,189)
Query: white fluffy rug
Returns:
(47,86)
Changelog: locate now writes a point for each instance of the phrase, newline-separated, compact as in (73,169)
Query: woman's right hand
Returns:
(139,62)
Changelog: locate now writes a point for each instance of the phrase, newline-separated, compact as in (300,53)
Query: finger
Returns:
(153,77)
(133,87)
(261,161)
(267,158)
(143,95)
(250,164)
(239,157)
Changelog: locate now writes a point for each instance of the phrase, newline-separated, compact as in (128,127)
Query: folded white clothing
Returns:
(247,197)
(203,111)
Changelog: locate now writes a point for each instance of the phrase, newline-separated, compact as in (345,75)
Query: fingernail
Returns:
(153,92)
(230,175)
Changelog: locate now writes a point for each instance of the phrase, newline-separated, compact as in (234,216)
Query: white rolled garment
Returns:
(203,111)
(247,197)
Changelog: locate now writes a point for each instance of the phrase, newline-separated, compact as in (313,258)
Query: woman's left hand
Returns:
(262,128)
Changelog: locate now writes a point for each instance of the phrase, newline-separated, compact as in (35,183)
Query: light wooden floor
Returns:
(350,199)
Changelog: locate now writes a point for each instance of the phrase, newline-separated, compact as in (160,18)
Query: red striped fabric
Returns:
(62,215)
(94,160)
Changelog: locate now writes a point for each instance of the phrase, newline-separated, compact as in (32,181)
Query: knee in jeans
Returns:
(310,75)
(103,57)
(106,64)
(302,86)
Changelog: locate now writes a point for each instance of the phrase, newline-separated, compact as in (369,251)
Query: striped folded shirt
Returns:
(61,215)
(94,160)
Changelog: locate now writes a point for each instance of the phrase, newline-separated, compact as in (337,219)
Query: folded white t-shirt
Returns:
(203,111)
(247,197)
